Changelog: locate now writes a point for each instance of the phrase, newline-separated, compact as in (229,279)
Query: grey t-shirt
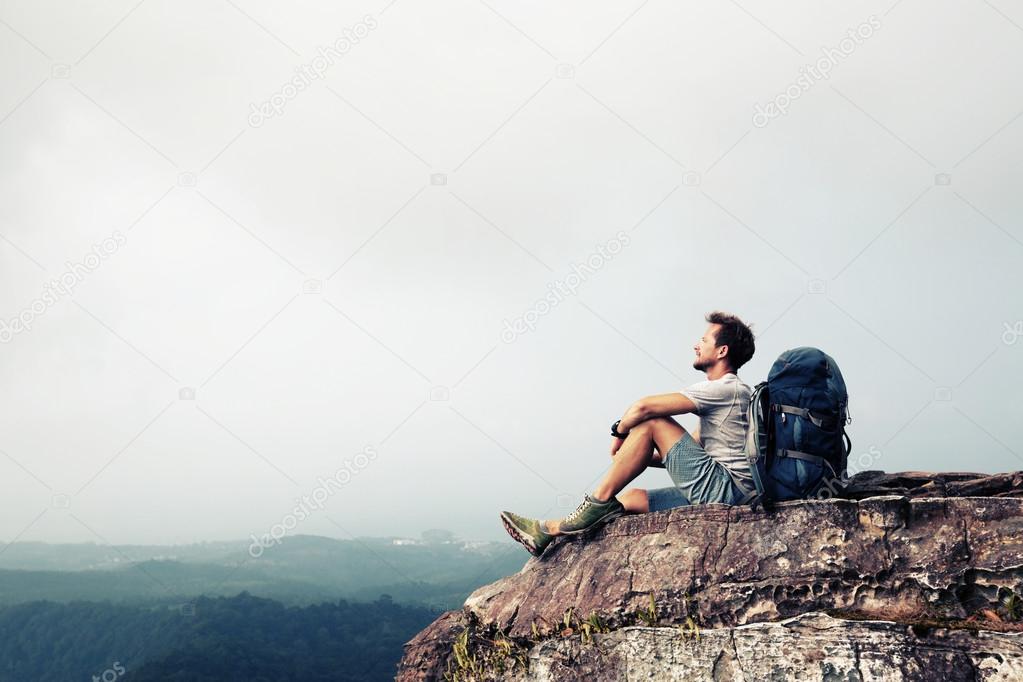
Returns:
(721,405)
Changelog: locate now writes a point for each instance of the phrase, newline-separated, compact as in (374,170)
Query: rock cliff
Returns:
(908,576)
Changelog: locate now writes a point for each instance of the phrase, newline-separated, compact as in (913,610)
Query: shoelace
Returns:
(578,510)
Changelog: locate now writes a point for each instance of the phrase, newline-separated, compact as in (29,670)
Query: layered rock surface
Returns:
(921,574)
(811,646)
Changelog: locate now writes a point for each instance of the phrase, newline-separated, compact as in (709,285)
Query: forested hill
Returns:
(225,638)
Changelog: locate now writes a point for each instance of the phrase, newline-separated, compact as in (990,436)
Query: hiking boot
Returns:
(589,514)
(529,532)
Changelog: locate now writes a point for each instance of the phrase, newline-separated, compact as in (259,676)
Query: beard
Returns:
(700,365)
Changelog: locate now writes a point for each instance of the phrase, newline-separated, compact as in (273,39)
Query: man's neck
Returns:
(718,371)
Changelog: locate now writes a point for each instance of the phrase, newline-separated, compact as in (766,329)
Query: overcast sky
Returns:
(243,242)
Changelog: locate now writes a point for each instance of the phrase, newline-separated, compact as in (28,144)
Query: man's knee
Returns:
(661,425)
(664,432)
(649,426)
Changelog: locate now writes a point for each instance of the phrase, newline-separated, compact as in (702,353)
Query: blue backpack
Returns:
(796,443)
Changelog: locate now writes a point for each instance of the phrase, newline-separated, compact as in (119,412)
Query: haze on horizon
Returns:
(262,292)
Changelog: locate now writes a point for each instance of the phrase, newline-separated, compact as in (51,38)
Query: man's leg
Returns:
(634,500)
(636,453)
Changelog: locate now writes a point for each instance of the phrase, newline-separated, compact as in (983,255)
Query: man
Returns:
(708,466)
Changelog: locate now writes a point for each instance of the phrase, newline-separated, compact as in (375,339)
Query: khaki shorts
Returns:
(698,478)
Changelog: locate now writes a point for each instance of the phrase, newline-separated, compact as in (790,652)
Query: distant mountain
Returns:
(301,570)
(42,556)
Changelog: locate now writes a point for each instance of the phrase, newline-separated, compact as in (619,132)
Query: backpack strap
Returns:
(748,497)
(806,457)
(803,412)
(747,494)
(754,447)
(847,450)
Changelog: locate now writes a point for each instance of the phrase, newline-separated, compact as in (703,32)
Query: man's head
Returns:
(727,343)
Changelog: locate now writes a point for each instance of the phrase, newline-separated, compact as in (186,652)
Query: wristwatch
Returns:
(614,430)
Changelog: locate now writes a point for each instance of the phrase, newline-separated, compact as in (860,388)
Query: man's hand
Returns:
(615,444)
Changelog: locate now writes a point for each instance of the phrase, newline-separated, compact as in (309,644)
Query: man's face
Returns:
(706,348)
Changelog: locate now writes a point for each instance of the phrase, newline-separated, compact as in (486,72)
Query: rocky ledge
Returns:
(908,576)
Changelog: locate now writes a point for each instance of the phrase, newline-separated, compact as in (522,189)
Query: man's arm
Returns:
(663,405)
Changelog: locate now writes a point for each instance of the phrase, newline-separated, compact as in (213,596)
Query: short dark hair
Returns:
(735,334)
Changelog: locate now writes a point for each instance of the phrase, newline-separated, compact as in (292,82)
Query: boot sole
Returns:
(523,539)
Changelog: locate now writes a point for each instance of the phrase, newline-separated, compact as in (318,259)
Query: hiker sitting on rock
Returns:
(709,466)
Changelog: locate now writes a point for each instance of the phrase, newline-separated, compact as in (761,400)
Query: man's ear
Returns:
(722,351)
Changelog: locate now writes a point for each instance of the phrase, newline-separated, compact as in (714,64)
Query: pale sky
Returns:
(284,287)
